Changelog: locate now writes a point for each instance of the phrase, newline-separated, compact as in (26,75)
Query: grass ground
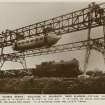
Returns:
(32,85)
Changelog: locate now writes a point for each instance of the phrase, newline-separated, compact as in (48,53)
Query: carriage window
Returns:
(22,43)
(41,38)
(28,41)
(36,39)
(31,40)
(18,43)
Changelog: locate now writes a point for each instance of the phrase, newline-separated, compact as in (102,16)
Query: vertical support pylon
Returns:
(2,60)
(16,58)
(87,54)
(104,36)
(2,57)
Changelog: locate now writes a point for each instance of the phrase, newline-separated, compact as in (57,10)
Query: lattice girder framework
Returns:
(94,44)
(72,22)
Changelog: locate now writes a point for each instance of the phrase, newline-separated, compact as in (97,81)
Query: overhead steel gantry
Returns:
(68,23)
(72,22)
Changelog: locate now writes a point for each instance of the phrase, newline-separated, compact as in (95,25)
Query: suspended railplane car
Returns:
(45,40)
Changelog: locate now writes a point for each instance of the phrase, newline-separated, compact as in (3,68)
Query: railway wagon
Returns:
(58,69)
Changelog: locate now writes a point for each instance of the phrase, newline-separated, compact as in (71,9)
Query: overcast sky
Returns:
(16,15)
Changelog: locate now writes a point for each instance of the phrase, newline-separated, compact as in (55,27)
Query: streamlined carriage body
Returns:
(37,41)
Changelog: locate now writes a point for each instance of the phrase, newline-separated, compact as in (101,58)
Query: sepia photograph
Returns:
(52,47)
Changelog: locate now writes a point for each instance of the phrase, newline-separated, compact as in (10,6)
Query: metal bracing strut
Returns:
(22,60)
(13,58)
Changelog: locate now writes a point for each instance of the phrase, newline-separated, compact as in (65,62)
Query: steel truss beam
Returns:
(72,22)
